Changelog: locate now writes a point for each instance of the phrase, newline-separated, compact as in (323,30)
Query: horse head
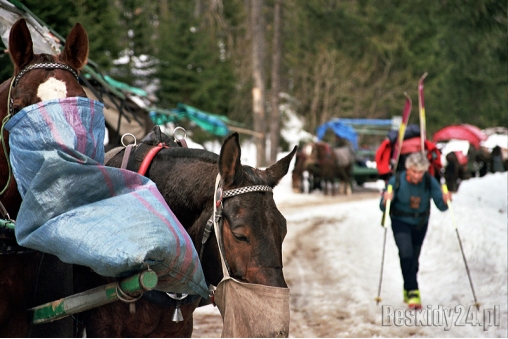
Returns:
(253,228)
(36,78)
(40,77)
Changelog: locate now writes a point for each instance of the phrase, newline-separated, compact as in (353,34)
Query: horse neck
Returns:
(189,178)
(185,178)
(11,198)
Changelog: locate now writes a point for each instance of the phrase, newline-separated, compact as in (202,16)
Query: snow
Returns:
(336,290)
(479,211)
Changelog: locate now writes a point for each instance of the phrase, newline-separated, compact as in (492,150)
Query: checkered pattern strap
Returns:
(242,190)
(45,65)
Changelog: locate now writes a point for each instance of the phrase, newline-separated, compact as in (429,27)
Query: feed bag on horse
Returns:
(112,220)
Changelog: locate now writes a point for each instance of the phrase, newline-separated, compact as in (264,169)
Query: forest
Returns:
(325,59)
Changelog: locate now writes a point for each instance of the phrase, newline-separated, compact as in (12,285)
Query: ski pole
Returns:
(383,223)
(445,191)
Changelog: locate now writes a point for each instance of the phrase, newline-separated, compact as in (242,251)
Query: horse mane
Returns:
(195,153)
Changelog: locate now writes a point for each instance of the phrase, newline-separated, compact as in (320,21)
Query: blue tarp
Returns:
(112,220)
(340,129)
(370,122)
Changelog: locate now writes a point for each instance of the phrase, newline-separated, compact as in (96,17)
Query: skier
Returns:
(410,209)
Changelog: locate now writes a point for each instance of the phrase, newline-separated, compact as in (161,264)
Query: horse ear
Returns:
(275,172)
(230,167)
(75,52)
(20,45)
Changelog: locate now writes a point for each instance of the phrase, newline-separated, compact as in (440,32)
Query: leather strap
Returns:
(126,156)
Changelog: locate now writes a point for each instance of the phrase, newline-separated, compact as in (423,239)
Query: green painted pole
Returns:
(7,223)
(96,297)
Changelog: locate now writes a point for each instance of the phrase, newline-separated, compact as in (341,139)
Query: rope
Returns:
(4,145)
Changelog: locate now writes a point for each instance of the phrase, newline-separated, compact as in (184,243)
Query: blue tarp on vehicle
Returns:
(340,129)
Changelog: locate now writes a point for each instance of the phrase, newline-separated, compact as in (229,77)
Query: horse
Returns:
(253,233)
(321,165)
(344,161)
(315,164)
(36,77)
(299,172)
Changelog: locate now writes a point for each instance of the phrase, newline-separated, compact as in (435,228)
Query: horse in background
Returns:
(344,162)
(27,277)
(319,166)
(252,233)
(306,172)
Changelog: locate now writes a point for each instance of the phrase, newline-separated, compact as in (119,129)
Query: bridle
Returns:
(215,220)
(40,65)
(6,223)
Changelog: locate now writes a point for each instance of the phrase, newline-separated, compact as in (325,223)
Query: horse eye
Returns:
(241,238)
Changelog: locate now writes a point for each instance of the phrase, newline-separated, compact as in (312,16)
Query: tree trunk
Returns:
(258,90)
(276,61)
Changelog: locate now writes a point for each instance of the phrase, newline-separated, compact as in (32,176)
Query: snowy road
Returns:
(332,260)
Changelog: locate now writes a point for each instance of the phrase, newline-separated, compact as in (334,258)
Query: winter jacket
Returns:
(411,203)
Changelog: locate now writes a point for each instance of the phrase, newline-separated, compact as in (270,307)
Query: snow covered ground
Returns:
(332,261)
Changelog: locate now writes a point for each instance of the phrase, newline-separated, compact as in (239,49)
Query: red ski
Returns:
(421,106)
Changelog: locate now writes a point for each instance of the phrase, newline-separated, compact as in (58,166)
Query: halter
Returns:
(216,217)
(41,65)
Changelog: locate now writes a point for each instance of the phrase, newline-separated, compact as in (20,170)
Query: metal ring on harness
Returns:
(178,129)
(125,297)
(131,135)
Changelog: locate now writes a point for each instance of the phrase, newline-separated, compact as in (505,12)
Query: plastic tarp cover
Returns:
(461,132)
(340,129)
(112,220)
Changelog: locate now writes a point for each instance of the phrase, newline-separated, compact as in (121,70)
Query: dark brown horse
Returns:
(253,233)
(37,77)
(321,165)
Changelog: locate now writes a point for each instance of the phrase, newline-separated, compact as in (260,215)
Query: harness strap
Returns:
(149,157)
(4,212)
(163,299)
(206,235)
(126,156)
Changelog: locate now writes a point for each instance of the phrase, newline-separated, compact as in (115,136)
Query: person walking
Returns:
(409,212)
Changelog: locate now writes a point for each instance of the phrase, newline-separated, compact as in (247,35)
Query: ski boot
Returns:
(414,302)
(405,296)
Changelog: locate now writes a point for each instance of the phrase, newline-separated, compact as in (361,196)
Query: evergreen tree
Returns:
(193,68)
